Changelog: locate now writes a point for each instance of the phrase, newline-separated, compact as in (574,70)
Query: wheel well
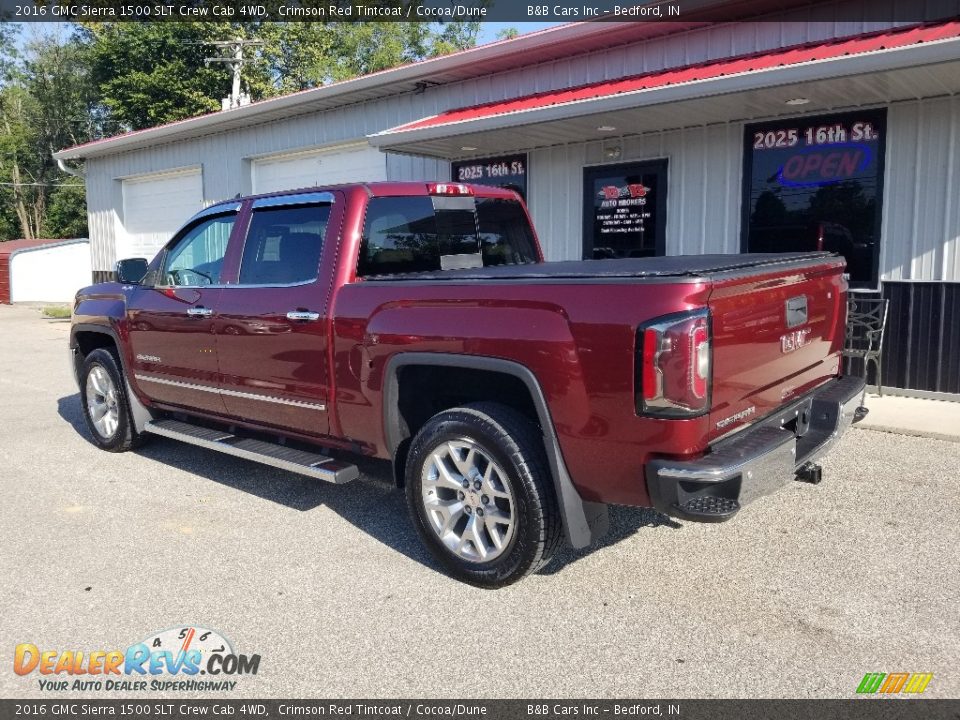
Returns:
(425,390)
(88,341)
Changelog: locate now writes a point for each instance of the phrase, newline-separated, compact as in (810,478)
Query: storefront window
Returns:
(624,213)
(817,184)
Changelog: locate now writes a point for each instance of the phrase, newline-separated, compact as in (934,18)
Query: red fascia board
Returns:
(11,246)
(719,68)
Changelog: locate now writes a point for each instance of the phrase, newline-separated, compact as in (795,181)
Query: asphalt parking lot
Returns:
(799,596)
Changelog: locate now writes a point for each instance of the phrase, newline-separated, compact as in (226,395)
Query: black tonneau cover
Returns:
(668,266)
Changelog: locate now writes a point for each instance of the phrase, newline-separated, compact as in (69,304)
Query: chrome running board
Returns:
(314,465)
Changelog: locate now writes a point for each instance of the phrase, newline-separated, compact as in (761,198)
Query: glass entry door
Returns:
(625,210)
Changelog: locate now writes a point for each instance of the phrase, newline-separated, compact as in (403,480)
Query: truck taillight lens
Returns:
(673,366)
(455,189)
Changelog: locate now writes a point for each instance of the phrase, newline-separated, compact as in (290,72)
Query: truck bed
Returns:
(651,267)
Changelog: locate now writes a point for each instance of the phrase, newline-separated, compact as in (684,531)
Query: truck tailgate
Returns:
(776,335)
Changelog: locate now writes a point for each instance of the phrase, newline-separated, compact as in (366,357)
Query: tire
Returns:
(509,497)
(103,399)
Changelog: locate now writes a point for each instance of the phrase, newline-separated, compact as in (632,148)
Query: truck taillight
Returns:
(673,366)
(449,189)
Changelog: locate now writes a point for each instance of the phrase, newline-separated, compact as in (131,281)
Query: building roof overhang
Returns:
(525,50)
(907,63)
(536,47)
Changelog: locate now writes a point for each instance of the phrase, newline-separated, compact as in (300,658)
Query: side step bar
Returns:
(315,465)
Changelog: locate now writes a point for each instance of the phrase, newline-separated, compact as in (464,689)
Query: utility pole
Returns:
(235,60)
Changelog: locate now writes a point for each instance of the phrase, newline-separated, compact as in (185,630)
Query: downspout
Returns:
(67,169)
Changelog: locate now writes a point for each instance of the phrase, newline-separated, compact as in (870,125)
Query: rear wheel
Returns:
(104,399)
(479,492)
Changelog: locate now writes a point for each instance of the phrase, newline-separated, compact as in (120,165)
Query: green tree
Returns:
(152,73)
(106,78)
(148,74)
(45,102)
(299,56)
(7,52)
(67,211)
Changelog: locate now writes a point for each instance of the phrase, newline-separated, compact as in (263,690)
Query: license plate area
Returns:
(797,418)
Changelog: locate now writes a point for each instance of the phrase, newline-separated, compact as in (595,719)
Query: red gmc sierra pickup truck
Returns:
(516,398)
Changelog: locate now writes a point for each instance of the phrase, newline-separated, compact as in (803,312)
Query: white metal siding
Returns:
(49,274)
(703,188)
(323,167)
(411,167)
(154,208)
(920,239)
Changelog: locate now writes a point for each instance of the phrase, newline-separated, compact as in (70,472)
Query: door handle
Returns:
(199,311)
(303,315)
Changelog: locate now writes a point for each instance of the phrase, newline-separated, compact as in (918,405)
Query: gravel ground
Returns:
(798,597)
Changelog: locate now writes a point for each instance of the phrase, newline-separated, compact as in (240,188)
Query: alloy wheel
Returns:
(102,402)
(468,501)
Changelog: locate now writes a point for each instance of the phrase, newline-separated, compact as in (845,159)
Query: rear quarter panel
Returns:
(578,339)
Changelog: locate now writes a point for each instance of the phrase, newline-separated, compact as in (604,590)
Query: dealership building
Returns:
(627,140)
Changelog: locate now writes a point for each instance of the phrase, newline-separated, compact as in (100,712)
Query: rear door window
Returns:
(283,245)
(399,236)
(423,234)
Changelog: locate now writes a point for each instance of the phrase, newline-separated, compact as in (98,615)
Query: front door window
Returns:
(197,258)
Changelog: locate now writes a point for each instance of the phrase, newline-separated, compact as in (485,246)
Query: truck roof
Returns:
(385,188)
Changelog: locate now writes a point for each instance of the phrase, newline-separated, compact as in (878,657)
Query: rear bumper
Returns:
(758,460)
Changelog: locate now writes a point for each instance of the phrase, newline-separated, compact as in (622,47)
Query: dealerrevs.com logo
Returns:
(186,658)
(894,683)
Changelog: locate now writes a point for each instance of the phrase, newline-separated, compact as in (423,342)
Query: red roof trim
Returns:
(9,247)
(714,69)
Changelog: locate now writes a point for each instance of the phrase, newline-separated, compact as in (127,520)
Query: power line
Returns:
(13,184)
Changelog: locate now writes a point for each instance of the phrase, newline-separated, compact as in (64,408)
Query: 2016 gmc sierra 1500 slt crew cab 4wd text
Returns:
(516,399)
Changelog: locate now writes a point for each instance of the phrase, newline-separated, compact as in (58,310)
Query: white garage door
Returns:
(154,207)
(358,163)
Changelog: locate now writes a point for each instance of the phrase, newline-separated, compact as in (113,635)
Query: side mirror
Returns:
(131,271)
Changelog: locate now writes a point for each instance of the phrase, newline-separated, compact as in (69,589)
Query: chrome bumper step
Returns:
(314,465)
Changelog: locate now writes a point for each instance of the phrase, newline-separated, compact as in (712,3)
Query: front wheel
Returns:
(480,495)
(104,398)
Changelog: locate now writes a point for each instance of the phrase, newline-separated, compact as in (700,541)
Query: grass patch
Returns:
(58,312)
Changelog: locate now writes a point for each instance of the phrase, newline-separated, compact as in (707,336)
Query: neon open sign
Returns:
(825,164)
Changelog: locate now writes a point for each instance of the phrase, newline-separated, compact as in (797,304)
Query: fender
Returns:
(583,522)
(138,411)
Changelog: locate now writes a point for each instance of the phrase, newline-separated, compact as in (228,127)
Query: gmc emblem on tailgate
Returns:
(796,311)
(794,340)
